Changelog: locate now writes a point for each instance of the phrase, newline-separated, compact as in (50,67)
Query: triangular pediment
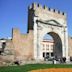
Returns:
(50,22)
(53,22)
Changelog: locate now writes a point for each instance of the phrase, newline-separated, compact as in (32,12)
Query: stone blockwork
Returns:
(44,13)
(48,21)
(7,52)
(19,48)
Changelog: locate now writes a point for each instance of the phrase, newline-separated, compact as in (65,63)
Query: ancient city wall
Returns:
(70,46)
(23,44)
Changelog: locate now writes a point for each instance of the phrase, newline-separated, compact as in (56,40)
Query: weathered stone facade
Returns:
(49,21)
(19,48)
(70,46)
(23,44)
(41,20)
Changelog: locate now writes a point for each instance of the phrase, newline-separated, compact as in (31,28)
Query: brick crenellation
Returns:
(35,6)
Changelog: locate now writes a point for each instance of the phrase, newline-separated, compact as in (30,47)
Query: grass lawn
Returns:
(28,67)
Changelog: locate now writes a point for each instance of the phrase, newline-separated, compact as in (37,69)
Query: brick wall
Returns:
(70,46)
(23,44)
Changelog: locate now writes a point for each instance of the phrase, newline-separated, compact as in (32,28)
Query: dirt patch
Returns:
(53,70)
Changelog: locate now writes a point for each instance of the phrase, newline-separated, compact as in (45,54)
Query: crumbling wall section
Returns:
(23,45)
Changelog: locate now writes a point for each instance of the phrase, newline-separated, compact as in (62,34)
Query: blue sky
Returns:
(14,14)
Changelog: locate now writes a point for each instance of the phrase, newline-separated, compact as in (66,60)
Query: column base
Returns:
(68,59)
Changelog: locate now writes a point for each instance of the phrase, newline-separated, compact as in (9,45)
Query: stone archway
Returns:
(57,45)
(57,31)
(43,20)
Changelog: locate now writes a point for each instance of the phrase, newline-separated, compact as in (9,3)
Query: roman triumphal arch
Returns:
(45,20)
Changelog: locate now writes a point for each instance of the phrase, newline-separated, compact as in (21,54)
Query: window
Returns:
(52,54)
(47,47)
(43,54)
(47,54)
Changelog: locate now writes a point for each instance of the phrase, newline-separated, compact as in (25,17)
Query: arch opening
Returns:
(52,45)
